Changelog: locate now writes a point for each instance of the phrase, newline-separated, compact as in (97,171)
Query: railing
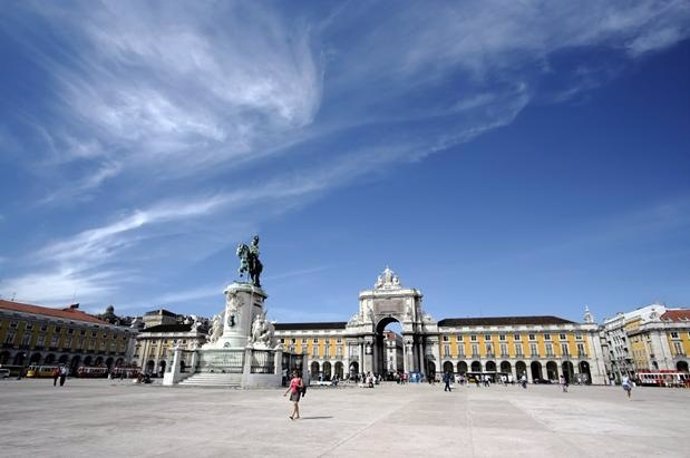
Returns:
(221,361)
(262,362)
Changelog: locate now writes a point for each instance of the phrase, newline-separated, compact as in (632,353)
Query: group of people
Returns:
(60,373)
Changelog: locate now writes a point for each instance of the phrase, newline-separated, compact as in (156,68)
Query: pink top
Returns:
(295,384)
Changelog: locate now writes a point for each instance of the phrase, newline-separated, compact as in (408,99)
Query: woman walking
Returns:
(295,390)
(627,385)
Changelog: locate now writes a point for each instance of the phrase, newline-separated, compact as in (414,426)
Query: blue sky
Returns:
(506,158)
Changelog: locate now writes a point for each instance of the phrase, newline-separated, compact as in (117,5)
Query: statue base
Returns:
(241,351)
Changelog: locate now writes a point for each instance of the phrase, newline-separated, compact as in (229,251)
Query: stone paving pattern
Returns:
(114,419)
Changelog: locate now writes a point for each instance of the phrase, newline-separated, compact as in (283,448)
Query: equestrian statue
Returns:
(249,261)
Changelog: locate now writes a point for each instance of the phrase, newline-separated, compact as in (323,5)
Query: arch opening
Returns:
(388,357)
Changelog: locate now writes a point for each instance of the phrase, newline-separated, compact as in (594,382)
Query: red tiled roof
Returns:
(67,313)
(676,315)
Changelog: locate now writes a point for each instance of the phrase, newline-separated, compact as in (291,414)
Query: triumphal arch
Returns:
(389,301)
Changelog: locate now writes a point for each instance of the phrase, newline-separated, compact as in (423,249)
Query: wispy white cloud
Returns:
(178,108)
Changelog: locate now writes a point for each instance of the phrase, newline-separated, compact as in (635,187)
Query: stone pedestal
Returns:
(243,302)
(241,347)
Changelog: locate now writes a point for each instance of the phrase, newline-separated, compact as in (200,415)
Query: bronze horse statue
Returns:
(249,262)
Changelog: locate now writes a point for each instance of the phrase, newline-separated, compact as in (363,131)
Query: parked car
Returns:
(4,373)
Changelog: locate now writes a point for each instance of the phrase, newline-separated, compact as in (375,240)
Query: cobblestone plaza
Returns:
(110,418)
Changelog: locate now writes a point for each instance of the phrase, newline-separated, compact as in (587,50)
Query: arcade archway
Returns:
(462,367)
(552,370)
(536,370)
(490,366)
(568,371)
(585,374)
(682,366)
(448,367)
(520,369)
(327,370)
(476,366)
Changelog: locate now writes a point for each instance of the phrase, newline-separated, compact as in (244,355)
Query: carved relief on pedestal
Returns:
(234,303)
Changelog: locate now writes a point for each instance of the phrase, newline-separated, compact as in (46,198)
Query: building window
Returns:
(13,324)
(29,326)
(502,337)
(533,349)
(564,349)
(678,347)
(339,340)
(68,343)
(58,329)
(475,350)
(445,338)
(54,340)
(70,331)
(473,338)
(489,349)
(9,338)
(504,350)
(93,333)
(487,336)
(26,338)
(315,341)
(518,350)
(446,351)
(44,327)
(532,337)
(581,349)
(458,338)
(41,340)
(293,340)
(674,335)
(578,336)
(516,336)
(547,336)
(549,349)
(82,332)
(562,337)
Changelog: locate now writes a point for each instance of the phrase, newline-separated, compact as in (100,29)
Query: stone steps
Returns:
(213,380)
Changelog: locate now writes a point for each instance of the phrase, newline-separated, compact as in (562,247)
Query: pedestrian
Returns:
(564,383)
(523,381)
(63,375)
(446,379)
(56,375)
(627,385)
(295,390)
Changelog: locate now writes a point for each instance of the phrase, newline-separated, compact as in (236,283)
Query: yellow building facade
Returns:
(540,347)
(32,334)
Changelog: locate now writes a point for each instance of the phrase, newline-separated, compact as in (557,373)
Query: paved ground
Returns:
(103,418)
